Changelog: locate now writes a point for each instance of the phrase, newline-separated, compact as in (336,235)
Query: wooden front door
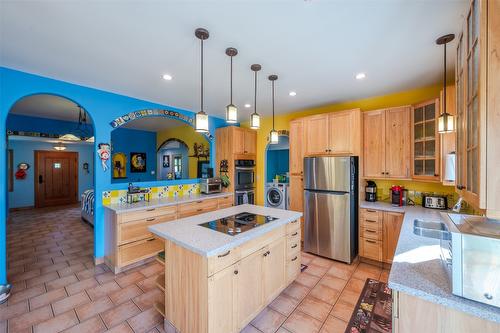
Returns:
(56,178)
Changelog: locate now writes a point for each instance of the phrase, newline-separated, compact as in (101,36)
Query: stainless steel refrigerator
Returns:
(331,207)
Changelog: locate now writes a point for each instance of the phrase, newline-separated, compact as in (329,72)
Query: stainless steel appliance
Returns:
(244,197)
(211,185)
(470,254)
(244,174)
(331,207)
(236,224)
(435,201)
(370,191)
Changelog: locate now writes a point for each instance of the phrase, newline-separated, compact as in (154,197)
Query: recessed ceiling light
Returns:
(292,93)
(248,105)
(167,77)
(360,76)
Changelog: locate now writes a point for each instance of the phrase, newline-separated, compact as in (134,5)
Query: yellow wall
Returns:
(282,122)
(187,134)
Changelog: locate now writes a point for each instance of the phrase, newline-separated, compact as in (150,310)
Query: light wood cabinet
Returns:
(250,142)
(128,240)
(379,234)
(296,196)
(249,287)
(386,143)
(223,293)
(336,133)
(296,141)
(425,141)
(244,140)
(391,227)
(478,105)
(448,140)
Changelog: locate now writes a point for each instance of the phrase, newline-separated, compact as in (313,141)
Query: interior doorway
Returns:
(56,178)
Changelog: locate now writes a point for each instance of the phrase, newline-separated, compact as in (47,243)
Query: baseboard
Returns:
(16,209)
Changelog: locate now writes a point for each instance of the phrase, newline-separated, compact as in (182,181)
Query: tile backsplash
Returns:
(171,191)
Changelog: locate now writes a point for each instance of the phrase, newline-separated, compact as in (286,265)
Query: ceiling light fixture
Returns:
(59,146)
(231,109)
(292,93)
(201,118)
(167,77)
(446,121)
(248,105)
(273,135)
(360,76)
(254,117)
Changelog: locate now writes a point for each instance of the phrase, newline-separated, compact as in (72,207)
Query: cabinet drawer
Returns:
(293,226)
(372,214)
(136,251)
(220,261)
(293,239)
(292,267)
(371,249)
(147,213)
(370,233)
(255,244)
(137,230)
(225,202)
(197,207)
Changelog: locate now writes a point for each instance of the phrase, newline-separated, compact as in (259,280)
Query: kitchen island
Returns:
(220,274)
(421,286)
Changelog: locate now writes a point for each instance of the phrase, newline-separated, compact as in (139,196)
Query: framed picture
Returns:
(137,162)
(166,161)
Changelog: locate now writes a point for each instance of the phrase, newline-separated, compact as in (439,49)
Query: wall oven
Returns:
(244,174)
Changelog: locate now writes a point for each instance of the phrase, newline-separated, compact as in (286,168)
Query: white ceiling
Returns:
(316,47)
(47,106)
(153,124)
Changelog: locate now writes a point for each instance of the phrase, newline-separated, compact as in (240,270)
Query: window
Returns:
(178,166)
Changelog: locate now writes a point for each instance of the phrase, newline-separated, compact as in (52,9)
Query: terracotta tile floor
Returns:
(57,287)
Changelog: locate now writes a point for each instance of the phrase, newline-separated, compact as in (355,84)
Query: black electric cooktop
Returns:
(236,224)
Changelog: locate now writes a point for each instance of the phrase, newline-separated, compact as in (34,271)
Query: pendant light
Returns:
(446,121)
(273,135)
(201,119)
(254,117)
(231,109)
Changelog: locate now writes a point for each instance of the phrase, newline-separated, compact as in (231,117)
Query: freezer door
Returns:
(327,173)
(328,225)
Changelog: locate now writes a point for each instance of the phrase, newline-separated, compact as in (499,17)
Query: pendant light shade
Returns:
(201,118)
(446,121)
(273,135)
(231,109)
(255,117)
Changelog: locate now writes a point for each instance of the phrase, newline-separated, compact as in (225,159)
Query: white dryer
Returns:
(276,195)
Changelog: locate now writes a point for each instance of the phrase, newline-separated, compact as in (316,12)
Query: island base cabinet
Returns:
(204,297)
(411,314)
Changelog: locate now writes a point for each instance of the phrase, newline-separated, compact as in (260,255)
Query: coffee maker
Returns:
(370,191)
(399,195)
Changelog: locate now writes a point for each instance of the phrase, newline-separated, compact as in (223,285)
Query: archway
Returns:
(50,163)
(276,161)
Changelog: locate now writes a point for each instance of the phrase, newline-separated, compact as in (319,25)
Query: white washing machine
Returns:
(276,195)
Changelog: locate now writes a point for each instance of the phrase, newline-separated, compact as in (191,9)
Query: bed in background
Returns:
(88,206)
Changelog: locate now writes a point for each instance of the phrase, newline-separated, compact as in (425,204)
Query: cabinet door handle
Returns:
(152,239)
(371,210)
(369,241)
(199,209)
(371,221)
(236,272)
(265,254)
(199,201)
(294,246)
(369,230)
(295,233)
(294,258)
(268,252)
(150,210)
(151,219)
(295,221)
(224,254)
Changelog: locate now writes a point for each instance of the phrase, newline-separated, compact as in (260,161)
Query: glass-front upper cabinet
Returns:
(468,105)
(425,141)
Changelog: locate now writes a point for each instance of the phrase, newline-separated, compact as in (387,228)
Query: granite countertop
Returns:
(417,269)
(187,233)
(155,203)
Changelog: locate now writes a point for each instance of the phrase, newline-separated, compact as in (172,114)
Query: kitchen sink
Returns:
(431,229)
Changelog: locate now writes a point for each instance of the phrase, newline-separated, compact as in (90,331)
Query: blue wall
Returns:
(277,162)
(103,107)
(23,151)
(17,122)
(125,140)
